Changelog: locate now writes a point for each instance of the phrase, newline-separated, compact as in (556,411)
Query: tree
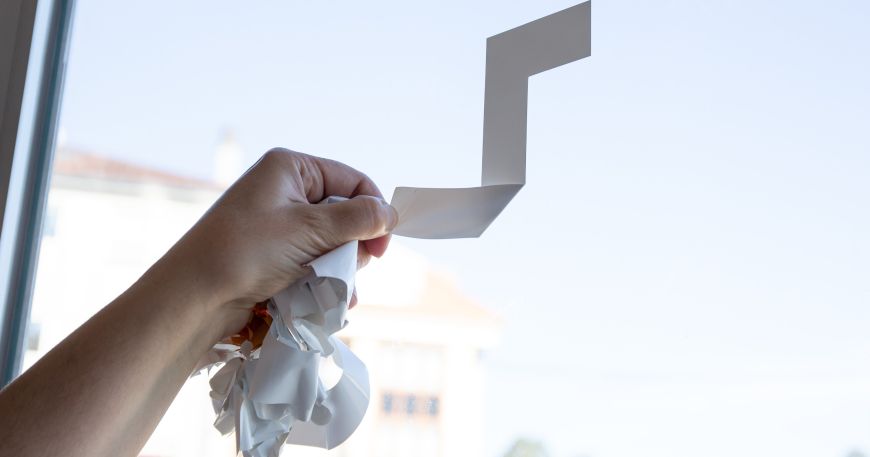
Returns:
(523,447)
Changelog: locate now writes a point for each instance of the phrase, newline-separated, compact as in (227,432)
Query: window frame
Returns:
(33,53)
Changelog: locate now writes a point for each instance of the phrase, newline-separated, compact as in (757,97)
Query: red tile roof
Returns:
(70,162)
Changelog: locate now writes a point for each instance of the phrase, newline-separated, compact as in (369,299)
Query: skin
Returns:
(102,390)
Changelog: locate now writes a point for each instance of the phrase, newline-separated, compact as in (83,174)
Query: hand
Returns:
(258,236)
(136,352)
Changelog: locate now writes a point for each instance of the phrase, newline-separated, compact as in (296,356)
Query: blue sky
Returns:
(685,272)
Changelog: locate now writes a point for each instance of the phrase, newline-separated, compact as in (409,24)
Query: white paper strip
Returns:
(275,395)
(511,57)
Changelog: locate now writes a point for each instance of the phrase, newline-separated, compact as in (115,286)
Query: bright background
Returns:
(686,272)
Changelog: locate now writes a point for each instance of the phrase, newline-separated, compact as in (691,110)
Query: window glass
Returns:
(432,406)
(684,274)
(388,403)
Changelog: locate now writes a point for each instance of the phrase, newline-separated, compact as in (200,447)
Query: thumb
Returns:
(360,218)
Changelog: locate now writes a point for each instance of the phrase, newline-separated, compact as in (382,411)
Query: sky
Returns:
(685,272)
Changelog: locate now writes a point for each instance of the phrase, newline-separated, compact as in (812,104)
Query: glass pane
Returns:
(684,274)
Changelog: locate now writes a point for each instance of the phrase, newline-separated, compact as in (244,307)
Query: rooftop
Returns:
(84,164)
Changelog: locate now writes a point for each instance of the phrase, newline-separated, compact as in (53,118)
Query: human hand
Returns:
(256,239)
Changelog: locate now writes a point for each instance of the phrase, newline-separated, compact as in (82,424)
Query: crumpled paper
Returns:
(274,394)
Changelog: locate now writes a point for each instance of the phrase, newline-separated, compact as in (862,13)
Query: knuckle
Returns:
(276,156)
(274,153)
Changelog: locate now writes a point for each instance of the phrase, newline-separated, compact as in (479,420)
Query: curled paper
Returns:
(273,394)
(511,58)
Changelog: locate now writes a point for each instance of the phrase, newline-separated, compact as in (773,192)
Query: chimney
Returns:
(229,159)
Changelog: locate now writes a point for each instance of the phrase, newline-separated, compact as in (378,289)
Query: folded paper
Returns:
(274,394)
(511,57)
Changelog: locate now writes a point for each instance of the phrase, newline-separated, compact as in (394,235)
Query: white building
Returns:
(107,221)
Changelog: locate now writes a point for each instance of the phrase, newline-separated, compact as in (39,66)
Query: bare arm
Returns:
(102,391)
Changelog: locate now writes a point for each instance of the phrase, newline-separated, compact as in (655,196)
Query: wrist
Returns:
(184,292)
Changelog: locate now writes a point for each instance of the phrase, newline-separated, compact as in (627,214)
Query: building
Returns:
(108,221)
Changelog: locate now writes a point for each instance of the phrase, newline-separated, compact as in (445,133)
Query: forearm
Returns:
(102,391)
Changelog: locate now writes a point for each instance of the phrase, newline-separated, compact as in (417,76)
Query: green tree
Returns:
(527,448)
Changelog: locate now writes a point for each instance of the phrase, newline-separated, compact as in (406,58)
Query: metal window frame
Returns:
(32,68)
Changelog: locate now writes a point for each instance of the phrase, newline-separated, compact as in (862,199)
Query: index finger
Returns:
(337,179)
(343,180)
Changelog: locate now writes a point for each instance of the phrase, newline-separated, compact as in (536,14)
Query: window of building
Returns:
(388,403)
(432,406)
(411,404)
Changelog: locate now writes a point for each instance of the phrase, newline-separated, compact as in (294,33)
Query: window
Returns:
(388,403)
(413,407)
(432,406)
(686,266)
